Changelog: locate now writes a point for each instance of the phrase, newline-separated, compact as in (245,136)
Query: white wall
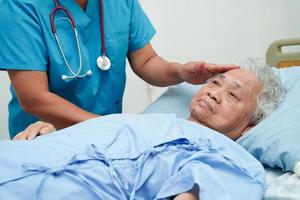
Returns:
(212,30)
(220,31)
(4,98)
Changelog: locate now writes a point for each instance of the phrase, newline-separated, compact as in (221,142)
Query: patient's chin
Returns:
(199,111)
(197,115)
(201,118)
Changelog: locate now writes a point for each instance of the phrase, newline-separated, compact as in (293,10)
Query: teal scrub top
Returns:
(27,43)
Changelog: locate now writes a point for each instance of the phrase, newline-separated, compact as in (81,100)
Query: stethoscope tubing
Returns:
(103,62)
(73,24)
(57,8)
(102,29)
(77,74)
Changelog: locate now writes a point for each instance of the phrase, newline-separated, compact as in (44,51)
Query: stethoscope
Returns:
(103,62)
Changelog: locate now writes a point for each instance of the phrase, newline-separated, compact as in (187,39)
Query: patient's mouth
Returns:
(203,103)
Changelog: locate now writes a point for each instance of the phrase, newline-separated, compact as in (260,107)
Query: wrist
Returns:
(178,67)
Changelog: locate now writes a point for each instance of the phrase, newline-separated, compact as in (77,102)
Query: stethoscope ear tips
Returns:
(89,72)
(63,77)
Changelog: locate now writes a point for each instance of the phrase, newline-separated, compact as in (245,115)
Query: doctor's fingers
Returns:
(20,136)
(39,128)
(47,129)
(219,68)
(33,130)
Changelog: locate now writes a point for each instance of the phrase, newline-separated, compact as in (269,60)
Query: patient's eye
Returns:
(215,82)
(233,96)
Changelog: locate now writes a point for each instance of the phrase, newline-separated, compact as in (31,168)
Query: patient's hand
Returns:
(189,195)
(34,130)
(186,196)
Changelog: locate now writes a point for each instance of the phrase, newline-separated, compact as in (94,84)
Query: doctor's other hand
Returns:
(199,72)
(34,130)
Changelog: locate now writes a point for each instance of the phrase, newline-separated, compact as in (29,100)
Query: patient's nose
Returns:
(214,95)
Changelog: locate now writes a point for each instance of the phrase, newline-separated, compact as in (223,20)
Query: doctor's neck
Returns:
(82,3)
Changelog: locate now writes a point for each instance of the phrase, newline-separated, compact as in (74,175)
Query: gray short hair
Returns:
(272,92)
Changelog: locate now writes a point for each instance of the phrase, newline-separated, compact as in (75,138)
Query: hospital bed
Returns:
(281,186)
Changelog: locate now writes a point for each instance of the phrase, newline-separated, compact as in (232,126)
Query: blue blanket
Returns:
(129,156)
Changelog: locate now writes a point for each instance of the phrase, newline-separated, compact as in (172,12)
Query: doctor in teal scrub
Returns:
(66,59)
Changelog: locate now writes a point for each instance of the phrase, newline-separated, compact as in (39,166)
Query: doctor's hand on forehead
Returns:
(199,72)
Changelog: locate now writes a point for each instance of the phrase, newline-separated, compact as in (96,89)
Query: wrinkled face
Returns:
(226,102)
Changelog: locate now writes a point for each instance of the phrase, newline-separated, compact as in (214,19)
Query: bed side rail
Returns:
(276,57)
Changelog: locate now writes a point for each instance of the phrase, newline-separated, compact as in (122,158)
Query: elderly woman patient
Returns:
(152,156)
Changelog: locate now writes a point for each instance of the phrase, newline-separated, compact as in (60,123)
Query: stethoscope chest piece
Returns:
(103,62)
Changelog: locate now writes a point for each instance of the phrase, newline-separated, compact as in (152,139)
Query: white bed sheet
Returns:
(282,186)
